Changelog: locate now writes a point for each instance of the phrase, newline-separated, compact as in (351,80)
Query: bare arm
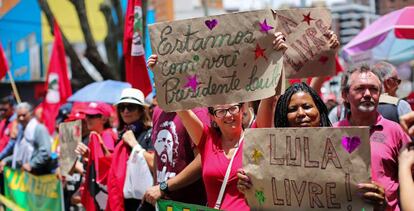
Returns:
(190,174)
(192,124)
(266,112)
(187,176)
(317,82)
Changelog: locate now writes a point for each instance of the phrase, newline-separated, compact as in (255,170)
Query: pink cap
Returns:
(98,108)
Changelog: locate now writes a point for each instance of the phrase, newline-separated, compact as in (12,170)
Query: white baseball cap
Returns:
(131,95)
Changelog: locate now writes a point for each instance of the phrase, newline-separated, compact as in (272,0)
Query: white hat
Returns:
(131,95)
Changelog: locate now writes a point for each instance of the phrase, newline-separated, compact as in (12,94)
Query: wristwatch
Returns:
(164,187)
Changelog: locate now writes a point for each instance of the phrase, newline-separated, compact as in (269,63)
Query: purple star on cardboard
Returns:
(259,52)
(307,18)
(264,27)
(192,82)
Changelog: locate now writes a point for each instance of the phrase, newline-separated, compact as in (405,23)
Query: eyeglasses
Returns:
(397,80)
(130,107)
(93,116)
(21,115)
(221,113)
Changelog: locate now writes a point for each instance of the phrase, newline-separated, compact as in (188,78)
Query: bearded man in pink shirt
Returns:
(361,88)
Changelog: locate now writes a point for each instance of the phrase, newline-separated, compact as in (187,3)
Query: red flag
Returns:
(3,63)
(94,194)
(116,178)
(136,72)
(57,84)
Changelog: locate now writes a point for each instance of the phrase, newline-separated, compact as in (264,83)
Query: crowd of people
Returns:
(133,153)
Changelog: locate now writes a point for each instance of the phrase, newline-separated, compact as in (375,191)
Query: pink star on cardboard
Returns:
(259,52)
(307,18)
(264,27)
(192,82)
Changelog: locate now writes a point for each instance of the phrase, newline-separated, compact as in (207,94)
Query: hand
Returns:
(82,149)
(244,182)
(406,122)
(152,61)
(27,167)
(129,138)
(153,194)
(372,193)
(279,42)
(333,40)
(406,157)
(2,164)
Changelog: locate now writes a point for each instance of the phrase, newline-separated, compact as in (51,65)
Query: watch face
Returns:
(163,186)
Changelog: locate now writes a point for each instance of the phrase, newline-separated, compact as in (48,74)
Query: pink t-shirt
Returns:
(215,165)
(174,150)
(386,139)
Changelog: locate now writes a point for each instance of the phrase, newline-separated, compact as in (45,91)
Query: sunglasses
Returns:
(222,112)
(21,115)
(397,80)
(93,116)
(130,107)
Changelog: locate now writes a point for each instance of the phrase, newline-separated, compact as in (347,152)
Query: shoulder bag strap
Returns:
(226,177)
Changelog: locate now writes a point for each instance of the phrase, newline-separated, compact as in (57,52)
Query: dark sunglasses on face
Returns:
(130,107)
(93,116)
(222,112)
(21,115)
(397,80)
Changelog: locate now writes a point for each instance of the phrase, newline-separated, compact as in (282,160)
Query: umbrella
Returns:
(108,91)
(390,38)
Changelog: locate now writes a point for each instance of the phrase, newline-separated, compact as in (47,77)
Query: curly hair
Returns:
(280,118)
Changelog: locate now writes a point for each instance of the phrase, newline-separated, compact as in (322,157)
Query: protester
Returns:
(219,146)
(299,106)
(8,128)
(30,150)
(7,123)
(177,163)
(134,136)
(97,154)
(405,176)
(361,89)
(390,106)
(73,180)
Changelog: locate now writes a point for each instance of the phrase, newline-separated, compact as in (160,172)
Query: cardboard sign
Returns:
(70,135)
(307,168)
(308,52)
(215,60)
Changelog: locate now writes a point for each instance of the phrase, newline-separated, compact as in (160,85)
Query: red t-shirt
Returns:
(215,164)
(174,150)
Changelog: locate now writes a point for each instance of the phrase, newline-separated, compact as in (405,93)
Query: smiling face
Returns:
(228,117)
(364,92)
(302,111)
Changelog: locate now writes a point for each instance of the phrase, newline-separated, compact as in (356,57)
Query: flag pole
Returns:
(14,87)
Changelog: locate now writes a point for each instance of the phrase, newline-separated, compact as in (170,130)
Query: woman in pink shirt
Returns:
(217,145)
